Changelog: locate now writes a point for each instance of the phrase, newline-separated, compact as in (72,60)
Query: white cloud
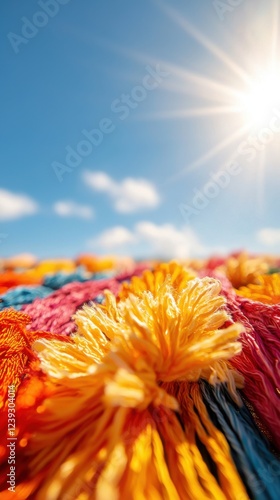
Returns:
(115,237)
(72,209)
(128,195)
(14,206)
(99,181)
(269,236)
(162,241)
(167,241)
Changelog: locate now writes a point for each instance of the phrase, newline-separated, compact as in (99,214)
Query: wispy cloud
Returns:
(128,195)
(163,241)
(116,237)
(168,241)
(72,209)
(269,236)
(14,206)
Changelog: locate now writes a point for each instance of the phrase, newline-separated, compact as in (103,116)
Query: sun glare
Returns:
(262,96)
(247,101)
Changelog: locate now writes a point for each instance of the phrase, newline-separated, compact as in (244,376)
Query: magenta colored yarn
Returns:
(54,313)
(226,284)
(258,362)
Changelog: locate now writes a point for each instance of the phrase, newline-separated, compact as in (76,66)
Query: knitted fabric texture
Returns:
(140,381)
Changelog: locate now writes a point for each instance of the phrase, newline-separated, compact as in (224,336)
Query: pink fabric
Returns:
(258,361)
(226,284)
(54,313)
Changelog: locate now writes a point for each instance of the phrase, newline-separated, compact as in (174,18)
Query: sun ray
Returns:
(211,154)
(190,113)
(213,95)
(205,42)
(203,81)
(174,70)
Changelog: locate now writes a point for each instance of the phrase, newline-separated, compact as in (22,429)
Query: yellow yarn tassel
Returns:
(108,425)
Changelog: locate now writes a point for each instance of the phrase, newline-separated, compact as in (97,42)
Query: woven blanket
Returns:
(140,380)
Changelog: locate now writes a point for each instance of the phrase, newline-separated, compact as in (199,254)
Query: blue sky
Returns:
(141,187)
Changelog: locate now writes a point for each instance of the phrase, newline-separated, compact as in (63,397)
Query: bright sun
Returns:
(245,96)
(260,98)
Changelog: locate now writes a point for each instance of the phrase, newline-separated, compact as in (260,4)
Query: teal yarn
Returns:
(21,295)
(258,467)
(58,280)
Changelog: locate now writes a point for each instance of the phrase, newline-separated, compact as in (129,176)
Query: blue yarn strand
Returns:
(256,464)
(21,295)
(56,281)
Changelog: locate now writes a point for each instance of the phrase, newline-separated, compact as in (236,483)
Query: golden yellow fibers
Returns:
(177,275)
(266,289)
(109,426)
(242,270)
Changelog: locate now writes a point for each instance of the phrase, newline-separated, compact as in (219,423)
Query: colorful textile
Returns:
(140,381)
